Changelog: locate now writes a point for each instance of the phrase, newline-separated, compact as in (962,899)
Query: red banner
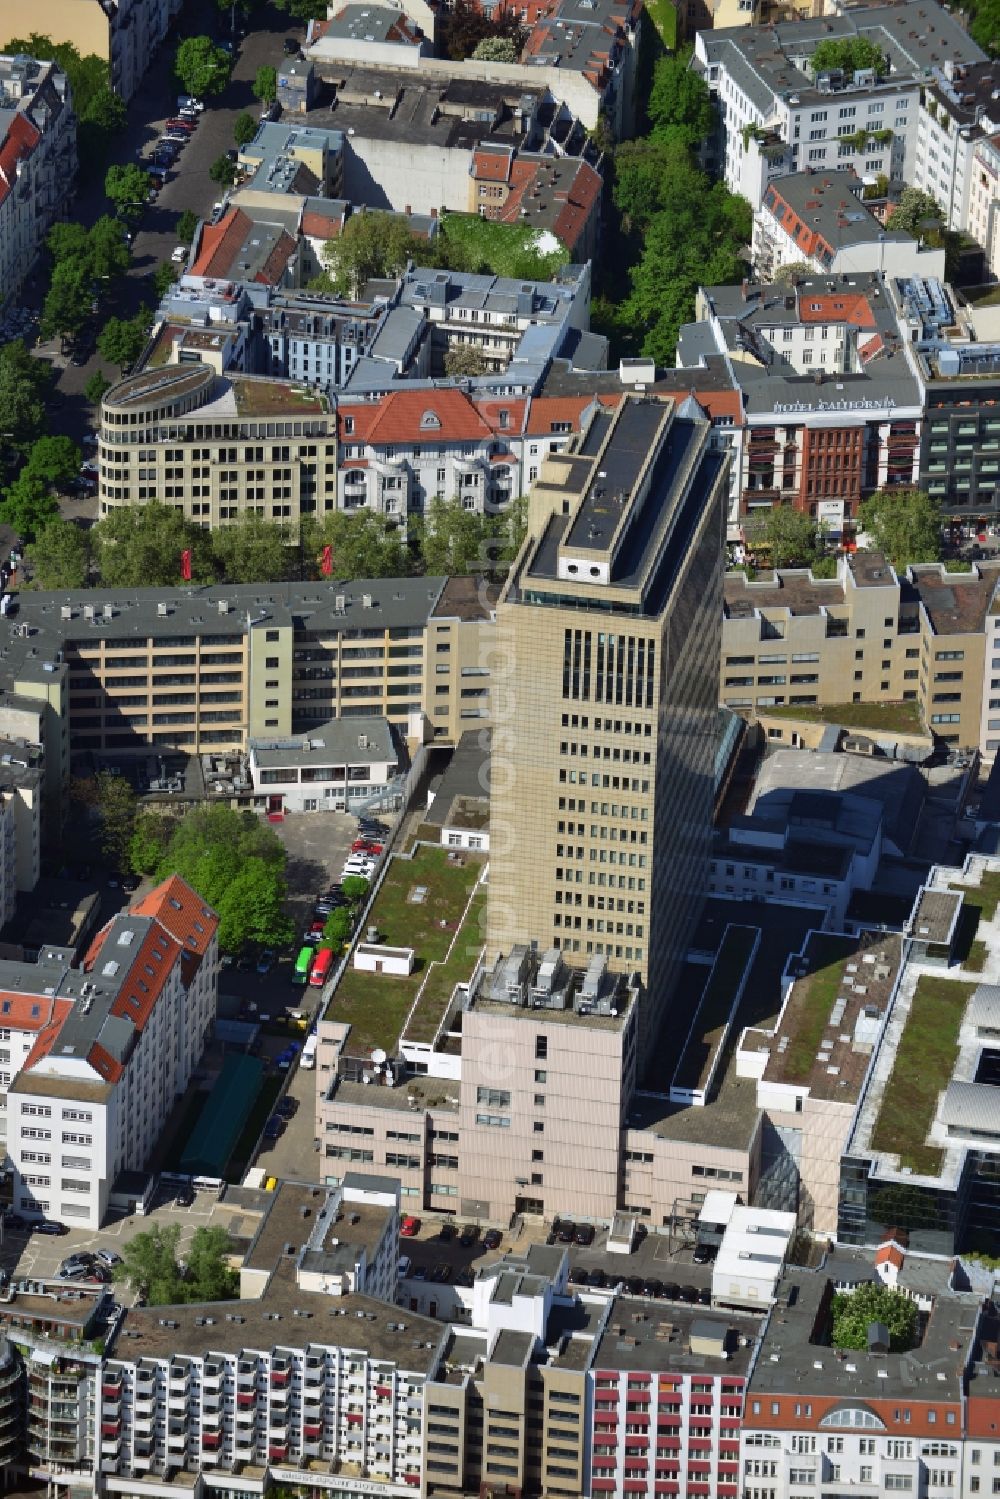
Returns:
(186,565)
(326,565)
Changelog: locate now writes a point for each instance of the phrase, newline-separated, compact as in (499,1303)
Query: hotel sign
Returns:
(782,408)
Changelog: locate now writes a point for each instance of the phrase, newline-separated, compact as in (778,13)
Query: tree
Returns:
(122,340)
(252,550)
(108,253)
(679,99)
(464,27)
(126,186)
(150,836)
(464,359)
(338,928)
(115,802)
(223,171)
(68,241)
(787,273)
(67,302)
(355,888)
(208,1277)
(149,1265)
(96,387)
(187,224)
(303,10)
(140,546)
(913,211)
(164,278)
(27,506)
(372,245)
(789,536)
(985,26)
(244,128)
(452,539)
(60,555)
(851,54)
(236,864)
(54,460)
(202,67)
(364,545)
(904,524)
(24,385)
(854,1311)
(265,85)
(496,49)
(105,110)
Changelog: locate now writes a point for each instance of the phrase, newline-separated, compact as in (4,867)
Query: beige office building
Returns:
(604,699)
(217,447)
(864,637)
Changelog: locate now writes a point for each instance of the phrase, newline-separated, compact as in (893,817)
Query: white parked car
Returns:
(179,255)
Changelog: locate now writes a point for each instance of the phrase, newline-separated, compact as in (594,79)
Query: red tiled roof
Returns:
(21,139)
(362,417)
(890,1254)
(321,225)
(401,418)
(491,408)
(841,307)
(493,165)
(147,975)
(55,1012)
(182,912)
(544,410)
(220,242)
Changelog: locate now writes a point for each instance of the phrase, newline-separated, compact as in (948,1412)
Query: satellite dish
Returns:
(379,1056)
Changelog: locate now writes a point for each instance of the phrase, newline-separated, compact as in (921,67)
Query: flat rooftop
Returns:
(297,1214)
(956,603)
(717,1002)
(420,904)
(793,589)
(376,1329)
(833,1014)
(642,1334)
(339,741)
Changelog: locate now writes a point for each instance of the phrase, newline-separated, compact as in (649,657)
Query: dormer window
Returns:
(430,422)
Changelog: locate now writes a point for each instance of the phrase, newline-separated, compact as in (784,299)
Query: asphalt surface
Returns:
(189,187)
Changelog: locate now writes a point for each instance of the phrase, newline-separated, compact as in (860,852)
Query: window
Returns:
(497,1098)
(541,1048)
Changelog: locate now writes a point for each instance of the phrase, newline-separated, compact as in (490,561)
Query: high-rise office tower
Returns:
(605,699)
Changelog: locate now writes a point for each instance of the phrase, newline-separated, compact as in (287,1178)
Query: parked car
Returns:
(47,1226)
(441,1274)
(704,1254)
(671,1290)
(188,126)
(273,1127)
(185,101)
(290,47)
(184,1197)
(266,960)
(72,1272)
(597,1278)
(584,1234)
(409,1227)
(652,1287)
(109,1257)
(633,1285)
(286,1107)
(578,1275)
(447,1232)
(15,1223)
(419,1272)
(492,1239)
(565,1232)
(688,1293)
(469,1235)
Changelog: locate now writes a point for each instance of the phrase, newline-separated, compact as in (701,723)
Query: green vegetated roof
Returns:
(377,1004)
(716,1002)
(456,968)
(813,997)
(924,1064)
(507,249)
(886,718)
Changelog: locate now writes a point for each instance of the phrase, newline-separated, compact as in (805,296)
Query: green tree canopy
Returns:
(496,49)
(904,524)
(67,302)
(67,240)
(187,223)
(223,171)
(27,506)
(122,340)
(106,110)
(107,253)
(202,67)
(60,555)
(163,278)
(208,1277)
(338,927)
(126,186)
(244,128)
(252,550)
(912,212)
(24,385)
(790,537)
(984,27)
(149,1265)
(265,84)
(852,54)
(854,1311)
(373,244)
(464,27)
(96,387)
(140,546)
(464,359)
(363,544)
(235,863)
(115,802)
(54,460)
(355,888)
(679,99)
(453,540)
(303,10)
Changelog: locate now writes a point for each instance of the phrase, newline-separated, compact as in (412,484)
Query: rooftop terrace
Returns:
(274,397)
(420,904)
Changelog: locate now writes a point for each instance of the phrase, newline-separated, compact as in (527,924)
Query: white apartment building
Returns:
(99,1054)
(958,108)
(763,83)
(37,161)
(984,200)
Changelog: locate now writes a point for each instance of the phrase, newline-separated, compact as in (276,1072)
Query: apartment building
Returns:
(561,195)
(864,637)
(21,779)
(875,1419)
(832,404)
(99,1055)
(37,161)
(984,200)
(628,522)
(763,82)
(958,108)
(209,668)
(820,219)
(338,766)
(219,447)
(958,374)
(125,34)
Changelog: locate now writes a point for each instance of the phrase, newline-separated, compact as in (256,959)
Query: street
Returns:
(189,187)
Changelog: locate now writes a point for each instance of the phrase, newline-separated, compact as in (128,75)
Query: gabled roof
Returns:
(220,242)
(21,139)
(427,416)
